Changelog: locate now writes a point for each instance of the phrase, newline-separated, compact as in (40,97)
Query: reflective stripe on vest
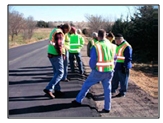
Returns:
(120,50)
(75,44)
(52,49)
(102,65)
(52,43)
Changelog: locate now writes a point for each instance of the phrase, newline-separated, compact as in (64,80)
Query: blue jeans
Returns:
(94,78)
(78,58)
(65,62)
(58,71)
(121,78)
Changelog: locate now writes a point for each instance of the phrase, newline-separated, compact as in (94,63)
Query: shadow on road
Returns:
(67,94)
(46,108)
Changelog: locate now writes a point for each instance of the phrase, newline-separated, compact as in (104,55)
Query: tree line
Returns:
(140,29)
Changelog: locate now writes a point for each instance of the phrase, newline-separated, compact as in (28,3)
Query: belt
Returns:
(51,55)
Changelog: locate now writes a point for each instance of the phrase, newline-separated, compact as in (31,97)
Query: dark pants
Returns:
(72,57)
(122,79)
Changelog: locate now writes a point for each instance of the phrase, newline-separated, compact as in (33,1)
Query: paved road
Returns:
(29,72)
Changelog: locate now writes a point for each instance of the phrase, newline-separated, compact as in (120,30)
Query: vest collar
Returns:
(121,43)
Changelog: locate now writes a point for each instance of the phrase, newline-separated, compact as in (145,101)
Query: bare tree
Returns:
(96,22)
(15,23)
(29,26)
(81,25)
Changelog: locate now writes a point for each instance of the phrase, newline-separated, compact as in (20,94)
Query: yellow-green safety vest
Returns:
(120,51)
(51,49)
(76,43)
(105,56)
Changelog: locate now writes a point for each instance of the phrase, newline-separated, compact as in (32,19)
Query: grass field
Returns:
(39,34)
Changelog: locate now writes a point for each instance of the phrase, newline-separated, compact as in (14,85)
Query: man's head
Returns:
(101,34)
(73,30)
(118,38)
(95,35)
(54,32)
(66,28)
(79,31)
(110,36)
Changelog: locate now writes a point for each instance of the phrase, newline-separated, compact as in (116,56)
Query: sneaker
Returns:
(75,103)
(120,95)
(104,111)
(49,93)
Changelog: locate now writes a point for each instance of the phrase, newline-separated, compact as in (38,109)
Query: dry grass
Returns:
(145,76)
(38,35)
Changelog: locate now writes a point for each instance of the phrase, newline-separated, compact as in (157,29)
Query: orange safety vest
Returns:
(120,51)
(105,56)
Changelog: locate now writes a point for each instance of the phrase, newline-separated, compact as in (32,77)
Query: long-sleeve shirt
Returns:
(128,58)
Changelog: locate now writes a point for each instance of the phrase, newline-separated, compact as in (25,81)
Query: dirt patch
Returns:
(146,77)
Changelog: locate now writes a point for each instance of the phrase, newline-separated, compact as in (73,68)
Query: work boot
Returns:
(49,93)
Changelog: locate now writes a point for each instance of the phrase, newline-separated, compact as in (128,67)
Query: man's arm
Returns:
(128,57)
(93,58)
(88,48)
(82,41)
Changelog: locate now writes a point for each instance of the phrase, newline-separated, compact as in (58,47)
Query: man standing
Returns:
(123,64)
(92,42)
(76,44)
(66,28)
(102,65)
(55,54)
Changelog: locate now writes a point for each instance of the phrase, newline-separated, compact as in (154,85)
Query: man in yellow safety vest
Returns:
(76,44)
(123,64)
(102,64)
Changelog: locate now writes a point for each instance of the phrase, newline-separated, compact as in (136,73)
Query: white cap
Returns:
(79,31)
(94,34)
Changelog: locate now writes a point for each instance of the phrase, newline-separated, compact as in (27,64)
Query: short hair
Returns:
(101,33)
(119,35)
(110,34)
(66,26)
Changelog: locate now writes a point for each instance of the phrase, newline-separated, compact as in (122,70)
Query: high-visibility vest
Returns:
(67,41)
(120,51)
(76,43)
(51,46)
(105,56)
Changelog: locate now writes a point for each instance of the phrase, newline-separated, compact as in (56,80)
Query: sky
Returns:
(73,13)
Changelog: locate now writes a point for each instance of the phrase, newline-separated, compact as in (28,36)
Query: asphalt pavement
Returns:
(29,71)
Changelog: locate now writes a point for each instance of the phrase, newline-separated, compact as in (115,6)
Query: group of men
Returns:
(110,63)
